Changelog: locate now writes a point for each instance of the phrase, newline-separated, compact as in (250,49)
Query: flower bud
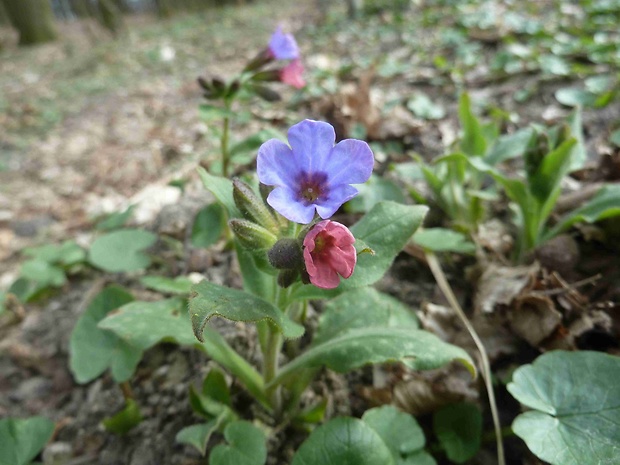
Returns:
(286,254)
(252,206)
(287,277)
(251,235)
(264,92)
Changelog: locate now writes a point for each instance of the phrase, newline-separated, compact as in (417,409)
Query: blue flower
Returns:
(283,46)
(313,173)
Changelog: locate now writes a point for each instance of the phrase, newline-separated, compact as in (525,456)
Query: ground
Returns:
(90,125)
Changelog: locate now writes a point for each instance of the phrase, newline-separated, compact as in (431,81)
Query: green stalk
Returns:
(440,277)
(224,144)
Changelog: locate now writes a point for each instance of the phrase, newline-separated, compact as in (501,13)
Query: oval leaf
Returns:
(344,441)
(362,308)
(21,440)
(459,430)
(575,397)
(208,300)
(246,446)
(122,250)
(420,349)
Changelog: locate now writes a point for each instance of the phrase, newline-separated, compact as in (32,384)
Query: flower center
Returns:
(312,187)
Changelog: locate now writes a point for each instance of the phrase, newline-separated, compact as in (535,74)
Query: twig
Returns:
(440,277)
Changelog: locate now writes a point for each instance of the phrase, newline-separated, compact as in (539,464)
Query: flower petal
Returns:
(276,164)
(350,162)
(336,197)
(324,277)
(283,46)
(312,142)
(285,202)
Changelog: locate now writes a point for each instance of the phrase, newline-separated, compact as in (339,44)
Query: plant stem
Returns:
(224,144)
(440,277)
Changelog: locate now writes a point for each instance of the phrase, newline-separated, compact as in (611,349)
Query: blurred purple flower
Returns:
(283,46)
(312,174)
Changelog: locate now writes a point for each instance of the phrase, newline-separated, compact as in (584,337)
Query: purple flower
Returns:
(312,174)
(283,46)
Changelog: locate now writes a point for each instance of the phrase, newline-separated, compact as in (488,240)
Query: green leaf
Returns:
(21,440)
(125,420)
(375,190)
(459,430)
(358,347)
(198,435)
(385,229)
(344,441)
(575,402)
(605,204)
(472,142)
(222,189)
(361,308)
(144,324)
(255,280)
(579,155)
(115,220)
(572,97)
(246,446)
(210,300)
(614,138)
(208,226)
(509,146)
(181,285)
(554,166)
(423,107)
(215,387)
(66,254)
(43,273)
(122,250)
(92,350)
(443,240)
(401,433)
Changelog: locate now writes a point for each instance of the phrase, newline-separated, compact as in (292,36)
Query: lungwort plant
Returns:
(289,251)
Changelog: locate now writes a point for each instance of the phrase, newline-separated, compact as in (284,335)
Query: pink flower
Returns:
(292,73)
(329,252)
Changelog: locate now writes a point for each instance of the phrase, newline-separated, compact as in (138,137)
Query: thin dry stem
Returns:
(440,277)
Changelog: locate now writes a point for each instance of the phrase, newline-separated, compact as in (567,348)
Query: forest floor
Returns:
(90,125)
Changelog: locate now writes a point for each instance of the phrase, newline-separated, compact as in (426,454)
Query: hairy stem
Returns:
(440,277)
(224,145)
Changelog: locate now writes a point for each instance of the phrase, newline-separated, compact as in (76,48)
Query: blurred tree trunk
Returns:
(4,18)
(111,17)
(33,19)
(122,6)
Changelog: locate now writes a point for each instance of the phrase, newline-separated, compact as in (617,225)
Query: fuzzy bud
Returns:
(252,206)
(287,277)
(251,235)
(286,254)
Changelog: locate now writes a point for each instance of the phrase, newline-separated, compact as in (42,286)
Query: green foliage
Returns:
(358,347)
(344,441)
(605,204)
(361,308)
(125,420)
(144,324)
(208,226)
(459,430)
(246,446)
(380,235)
(21,440)
(210,300)
(401,433)
(575,416)
(443,240)
(214,404)
(222,189)
(180,285)
(472,143)
(92,349)
(375,190)
(122,250)
(423,107)
(115,220)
